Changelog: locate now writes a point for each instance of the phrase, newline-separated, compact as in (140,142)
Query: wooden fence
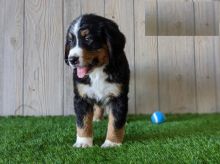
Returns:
(175,74)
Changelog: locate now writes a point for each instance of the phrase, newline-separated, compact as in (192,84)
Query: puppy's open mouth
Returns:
(82,71)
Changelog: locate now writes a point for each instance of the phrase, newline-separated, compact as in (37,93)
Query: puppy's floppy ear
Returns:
(114,38)
(67,49)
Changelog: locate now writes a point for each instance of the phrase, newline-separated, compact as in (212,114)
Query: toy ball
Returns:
(158,117)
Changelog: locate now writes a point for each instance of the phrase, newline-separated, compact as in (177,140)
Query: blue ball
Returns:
(157,117)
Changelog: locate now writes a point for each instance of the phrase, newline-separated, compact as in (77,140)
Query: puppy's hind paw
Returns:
(96,119)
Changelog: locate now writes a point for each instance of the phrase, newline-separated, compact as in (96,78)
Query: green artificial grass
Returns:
(181,139)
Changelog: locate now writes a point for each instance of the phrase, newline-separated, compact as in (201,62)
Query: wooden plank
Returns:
(217,70)
(217,52)
(204,18)
(43,58)
(151,18)
(146,70)
(204,55)
(11,54)
(94,6)
(122,13)
(217,17)
(177,74)
(205,74)
(2,16)
(176,58)
(175,18)
(71,11)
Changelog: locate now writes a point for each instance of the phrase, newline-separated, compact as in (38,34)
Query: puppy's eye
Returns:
(88,39)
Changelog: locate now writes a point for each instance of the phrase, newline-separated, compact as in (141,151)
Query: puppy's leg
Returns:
(98,113)
(117,118)
(84,115)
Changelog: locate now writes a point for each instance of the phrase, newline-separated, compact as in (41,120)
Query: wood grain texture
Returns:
(122,13)
(2,18)
(204,55)
(204,18)
(146,70)
(205,74)
(175,18)
(177,74)
(173,74)
(217,53)
(217,17)
(176,57)
(71,11)
(217,70)
(94,6)
(11,54)
(43,58)
(151,18)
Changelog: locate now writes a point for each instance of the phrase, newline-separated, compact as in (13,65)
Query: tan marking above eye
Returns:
(84,32)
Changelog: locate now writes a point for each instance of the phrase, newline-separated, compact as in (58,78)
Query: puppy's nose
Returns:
(74,60)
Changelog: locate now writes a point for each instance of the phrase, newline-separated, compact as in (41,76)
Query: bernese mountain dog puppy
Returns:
(95,51)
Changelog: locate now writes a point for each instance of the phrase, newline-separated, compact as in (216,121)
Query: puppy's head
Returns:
(92,41)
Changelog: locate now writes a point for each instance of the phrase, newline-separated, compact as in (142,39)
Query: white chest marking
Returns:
(99,89)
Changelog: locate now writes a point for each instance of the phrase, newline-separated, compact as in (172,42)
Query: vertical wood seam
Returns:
(62,57)
(3,51)
(194,55)
(104,8)
(158,65)
(194,18)
(24,29)
(215,72)
(134,44)
(80,6)
(215,76)
(214,20)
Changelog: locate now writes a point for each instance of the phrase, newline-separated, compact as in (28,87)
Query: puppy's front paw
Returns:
(83,142)
(109,143)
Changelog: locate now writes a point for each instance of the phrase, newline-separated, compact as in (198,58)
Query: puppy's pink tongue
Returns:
(81,72)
